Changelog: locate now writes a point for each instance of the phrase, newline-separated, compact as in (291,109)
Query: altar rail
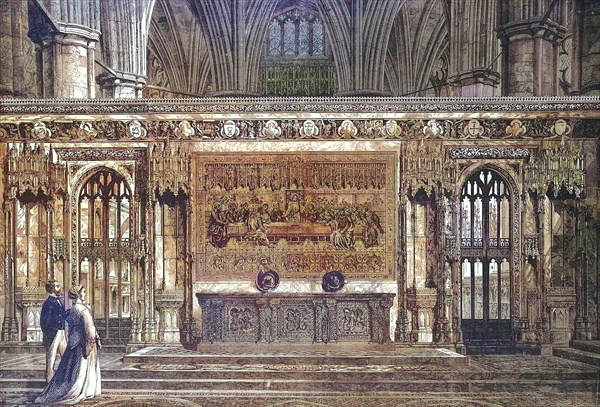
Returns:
(296,317)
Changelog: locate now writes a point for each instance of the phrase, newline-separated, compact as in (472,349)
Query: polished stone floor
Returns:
(331,376)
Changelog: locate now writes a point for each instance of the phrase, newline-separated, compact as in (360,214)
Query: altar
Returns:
(269,317)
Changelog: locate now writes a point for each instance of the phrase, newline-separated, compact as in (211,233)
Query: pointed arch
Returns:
(489,228)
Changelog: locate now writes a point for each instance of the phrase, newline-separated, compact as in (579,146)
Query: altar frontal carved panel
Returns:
(299,214)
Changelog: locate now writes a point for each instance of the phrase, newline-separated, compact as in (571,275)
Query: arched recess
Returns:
(489,259)
(103,224)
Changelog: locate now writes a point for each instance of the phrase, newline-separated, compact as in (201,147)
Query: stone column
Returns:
(149,322)
(121,85)
(529,35)
(473,69)
(18,60)
(10,328)
(124,27)
(582,327)
(67,60)
(589,13)
(189,325)
(401,333)
(542,272)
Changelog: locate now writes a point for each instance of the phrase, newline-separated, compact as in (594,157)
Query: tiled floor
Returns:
(488,381)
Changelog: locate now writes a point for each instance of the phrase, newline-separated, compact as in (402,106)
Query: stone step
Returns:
(332,373)
(343,354)
(587,346)
(250,384)
(577,355)
(11,348)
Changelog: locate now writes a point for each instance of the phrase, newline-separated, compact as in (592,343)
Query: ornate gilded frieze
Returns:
(489,152)
(298,129)
(91,154)
(313,104)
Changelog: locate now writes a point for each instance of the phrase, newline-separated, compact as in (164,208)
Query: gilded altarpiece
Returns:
(299,215)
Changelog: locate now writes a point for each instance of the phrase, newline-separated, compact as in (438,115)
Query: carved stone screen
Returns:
(299,214)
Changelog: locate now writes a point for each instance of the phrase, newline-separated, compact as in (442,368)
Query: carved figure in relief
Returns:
(473,128)
(391,129)
(40,131)
(229,129)
(294,264)
(135,129)
(218,263)
(516,128)
(241,319)
(347,129)
(353,320)
(309,128)
(184,129)
(271,129)
(433,129)
(295,320)
(88,129)
(560,128)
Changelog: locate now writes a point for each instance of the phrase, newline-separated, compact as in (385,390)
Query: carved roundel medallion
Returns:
(267,281)
(333,281)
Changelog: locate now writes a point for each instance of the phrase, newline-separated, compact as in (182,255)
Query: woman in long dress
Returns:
(78,375)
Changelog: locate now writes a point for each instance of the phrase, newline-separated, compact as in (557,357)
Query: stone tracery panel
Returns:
(301,216)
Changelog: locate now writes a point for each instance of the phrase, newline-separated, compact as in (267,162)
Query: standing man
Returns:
(52,321)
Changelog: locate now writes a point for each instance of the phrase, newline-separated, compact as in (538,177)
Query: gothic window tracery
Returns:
(296,33)
(104,240)
(485,219)
(297,61)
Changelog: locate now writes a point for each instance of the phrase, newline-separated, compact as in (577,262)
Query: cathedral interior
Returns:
(397,191)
